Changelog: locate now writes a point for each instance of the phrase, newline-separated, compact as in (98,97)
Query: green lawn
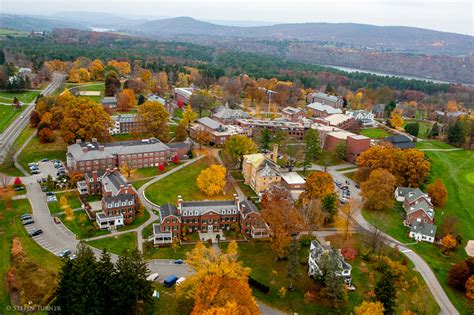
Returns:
(182,182)
(374,133)
(139,183)
(148,230)
(24,97)
(152,171)
(10,227)
(82,226)
(118,244)
(10,32)
(72,198)
(139,220)
(433,144)
(35,151)
(8,114)
(167,252)
(425,128)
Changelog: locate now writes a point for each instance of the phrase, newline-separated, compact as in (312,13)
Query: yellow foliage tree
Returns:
(122,66)
(126,168)
(97,69)
(63,203)
(378,190)
(46,118)
(155,118)
(318,185)
(189,116)
(470,288)
(69,213)
(452,106)
(369,308)
(79,75)
(211,181)
(126,100)
(396,120)
(449,243)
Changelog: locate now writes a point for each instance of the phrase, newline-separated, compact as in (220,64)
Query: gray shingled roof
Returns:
(414,194)
(120,198)
(227,113)
(167,210)
(424,205)
(210,123)
(324,108)
(401,141)
(402,191)
(423,228)
(111,182)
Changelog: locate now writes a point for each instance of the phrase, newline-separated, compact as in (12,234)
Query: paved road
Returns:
(9,135)
(446,307)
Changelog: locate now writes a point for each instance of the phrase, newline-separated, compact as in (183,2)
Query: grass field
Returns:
(140,218)
(182,182)
(35,151)
(118,244)
(139,183)
(374,133)
(89,86)
(10,227)
(24,97)
(8,167)
(167,252)
(81,225)
(72,198)
(433,144)
(6,31)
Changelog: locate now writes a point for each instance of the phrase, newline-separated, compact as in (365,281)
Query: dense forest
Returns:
(69,44)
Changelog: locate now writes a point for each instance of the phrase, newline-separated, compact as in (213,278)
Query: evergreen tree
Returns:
(329,204)
(65,293)
(87,288)
(456,133)
(434,131)
(105,278)
(265,139)
(389,108)
(313,145)
(141,99)
(386,292)
(413,128)
(331,278)
(294,272)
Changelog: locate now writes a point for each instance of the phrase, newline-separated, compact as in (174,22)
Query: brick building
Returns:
(109,103)
(417,205)
(125,123)
(119,198)
(183,94)
(293,114)
(208,216)
(218,131)
(338,120)
(94,156)
(322,110)
(325,99)
(254,126)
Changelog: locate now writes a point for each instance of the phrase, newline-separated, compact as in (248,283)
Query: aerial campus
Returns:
(147,177)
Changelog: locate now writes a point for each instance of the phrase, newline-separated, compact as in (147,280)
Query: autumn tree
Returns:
(46,135)
(180,133)
(237,146)
(154,117)
(470,287)
(346,215)
(438,193)
(201,100)
(126,168)
(212,180)
(386,292)
(219,278)
(318,185)
(378,190)
(458,275)
(449,244)
(313,145)
(369,308)
(125,100)
(84,119)
(312,214)
(396,120)
(79,75)
(189,116)
(282,217)
(122,66)
(202,136)
(162,82)
(96,69)
(112,85)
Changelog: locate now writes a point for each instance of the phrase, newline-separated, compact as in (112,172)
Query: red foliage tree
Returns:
(458,275)
(180,104)
(17,181)
(348,253)
(161,167)
(176,159)
(46,135)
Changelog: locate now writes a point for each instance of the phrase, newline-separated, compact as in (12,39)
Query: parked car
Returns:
(357,186)
(36,232)
(32,164)
(170,281)
(180,280)
(45,160)
(49,193)
(35,172)
(18,188)
(44,188)
(56,220)
(179,261)
(153,277)
(28,221)
(348,182)
(65,253)
(25,216)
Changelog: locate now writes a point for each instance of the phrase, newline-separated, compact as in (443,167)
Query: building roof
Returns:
(337,119)
(184,91)
(413,194)
(424,205)
(470,248)
(111,181)
(426,229)
(110,149)
(109,100)
(211,123)
(267,170)
(224,112)
(167,210)
(402,191)
(341,134)
(291,110)
(449,114)
(324,108)
(401,141)
(254,159)
(156,98)
(293,178)
(324,96)
(124,117)
(317,250)
(120,198)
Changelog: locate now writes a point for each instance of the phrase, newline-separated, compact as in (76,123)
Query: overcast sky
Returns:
(444,15)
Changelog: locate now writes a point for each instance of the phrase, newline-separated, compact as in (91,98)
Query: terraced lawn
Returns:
(183,182)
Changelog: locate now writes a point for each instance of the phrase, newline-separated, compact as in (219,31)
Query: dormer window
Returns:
(109,205)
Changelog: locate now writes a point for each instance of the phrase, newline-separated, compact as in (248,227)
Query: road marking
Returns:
(406,251)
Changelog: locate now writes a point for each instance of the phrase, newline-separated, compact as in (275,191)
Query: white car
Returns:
(180,280)
(153,277)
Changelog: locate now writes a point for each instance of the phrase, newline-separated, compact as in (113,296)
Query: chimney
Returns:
(275,153)
(94,140)
(236,199)
(180,204)
(78,141)
(101,148)
(85,149)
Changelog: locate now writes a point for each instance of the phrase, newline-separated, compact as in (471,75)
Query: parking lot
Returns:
(47,168)
(41,239)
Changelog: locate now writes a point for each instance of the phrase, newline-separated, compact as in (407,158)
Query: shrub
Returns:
(258,285)
(46,135)
(458,275)
(348,253)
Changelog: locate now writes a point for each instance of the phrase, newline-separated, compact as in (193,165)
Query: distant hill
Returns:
(96,19)
(381,38)
(27,23)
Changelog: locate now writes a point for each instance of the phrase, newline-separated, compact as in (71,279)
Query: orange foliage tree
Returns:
(125,100)
(378,190)
(96,69)
(438,193)
(449,244)
(470,288)
(369,308)
(282,217)
(318,185)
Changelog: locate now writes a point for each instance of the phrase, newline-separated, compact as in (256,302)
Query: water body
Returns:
(350,70)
